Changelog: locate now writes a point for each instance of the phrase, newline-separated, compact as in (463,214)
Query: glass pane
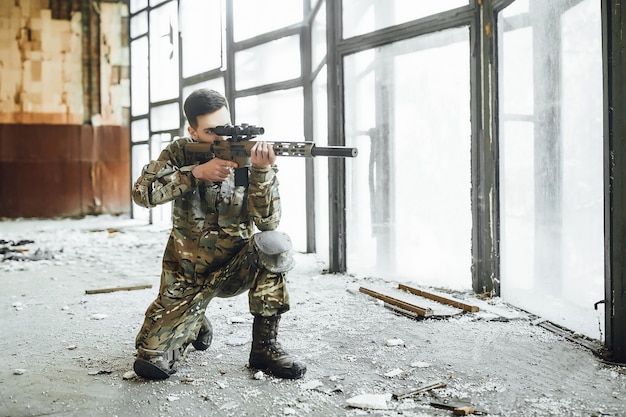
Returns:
(136,5)
(271,62)
(253,17)
(139,76)
(164,53)
(318,37)
(201,34)
(281,114)
(518,63)
(158,142)
(139,130)
(409,206)
(139,24)
(551,161)
(364,16)
(165,117)
(320,137)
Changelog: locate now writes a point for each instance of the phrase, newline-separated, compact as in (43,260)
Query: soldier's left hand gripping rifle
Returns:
(237,148)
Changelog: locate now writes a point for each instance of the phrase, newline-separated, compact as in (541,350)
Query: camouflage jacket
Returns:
(211,222)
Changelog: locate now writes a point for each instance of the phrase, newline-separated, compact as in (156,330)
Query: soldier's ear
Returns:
(192,132)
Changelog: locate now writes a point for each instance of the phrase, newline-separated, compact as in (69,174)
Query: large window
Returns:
(409,194)
(403,81)
(551,160)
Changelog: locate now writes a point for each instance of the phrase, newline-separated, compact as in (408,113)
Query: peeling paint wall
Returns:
(41,65)
(41,61)
(51,84)
(114,64)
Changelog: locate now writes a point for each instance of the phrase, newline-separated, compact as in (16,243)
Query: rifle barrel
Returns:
(334,151)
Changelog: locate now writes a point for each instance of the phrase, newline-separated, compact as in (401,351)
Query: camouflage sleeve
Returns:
(165,178)
(264,198)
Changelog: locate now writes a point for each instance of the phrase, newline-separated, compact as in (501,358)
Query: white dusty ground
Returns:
(68,353)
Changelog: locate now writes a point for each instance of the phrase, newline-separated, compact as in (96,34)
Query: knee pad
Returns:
(274,250)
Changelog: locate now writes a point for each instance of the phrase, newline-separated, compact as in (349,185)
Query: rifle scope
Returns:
(238,130)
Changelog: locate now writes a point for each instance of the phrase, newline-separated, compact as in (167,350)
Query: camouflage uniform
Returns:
(209,252)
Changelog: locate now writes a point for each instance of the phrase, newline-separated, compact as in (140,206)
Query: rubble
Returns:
(394,342)
(369,401)
(129,375)
(394,373)
(38,255)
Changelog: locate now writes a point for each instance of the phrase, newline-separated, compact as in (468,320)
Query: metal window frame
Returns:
(614,62)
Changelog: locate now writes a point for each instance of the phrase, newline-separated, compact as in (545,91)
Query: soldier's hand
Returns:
(262,155)
(215,170)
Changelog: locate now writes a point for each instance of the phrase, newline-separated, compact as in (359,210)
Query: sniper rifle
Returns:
(239,144)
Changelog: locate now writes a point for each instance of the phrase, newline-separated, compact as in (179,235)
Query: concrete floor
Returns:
(68,353)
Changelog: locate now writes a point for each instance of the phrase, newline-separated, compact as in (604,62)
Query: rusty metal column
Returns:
(614,61)
(484,151)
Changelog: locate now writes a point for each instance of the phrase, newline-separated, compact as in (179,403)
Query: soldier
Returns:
(214,249)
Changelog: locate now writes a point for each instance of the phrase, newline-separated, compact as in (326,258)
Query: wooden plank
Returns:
(439,298)
(424,312)
(131,288)
(402,312)
(413,391)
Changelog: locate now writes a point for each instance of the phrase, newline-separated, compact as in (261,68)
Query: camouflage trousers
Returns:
(173,320)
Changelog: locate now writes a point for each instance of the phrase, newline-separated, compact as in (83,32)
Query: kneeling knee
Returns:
(274,250)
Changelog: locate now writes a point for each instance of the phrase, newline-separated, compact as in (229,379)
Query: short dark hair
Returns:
(203,101)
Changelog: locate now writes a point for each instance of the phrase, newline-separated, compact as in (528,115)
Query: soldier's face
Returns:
(207,122)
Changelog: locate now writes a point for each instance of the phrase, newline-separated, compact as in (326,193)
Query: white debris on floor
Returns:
(69,353)
(369,401)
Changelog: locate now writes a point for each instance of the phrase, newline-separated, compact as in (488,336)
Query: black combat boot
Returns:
(156,364)
(205,335)
(268,355)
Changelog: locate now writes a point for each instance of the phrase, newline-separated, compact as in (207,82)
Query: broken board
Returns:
(415,306)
